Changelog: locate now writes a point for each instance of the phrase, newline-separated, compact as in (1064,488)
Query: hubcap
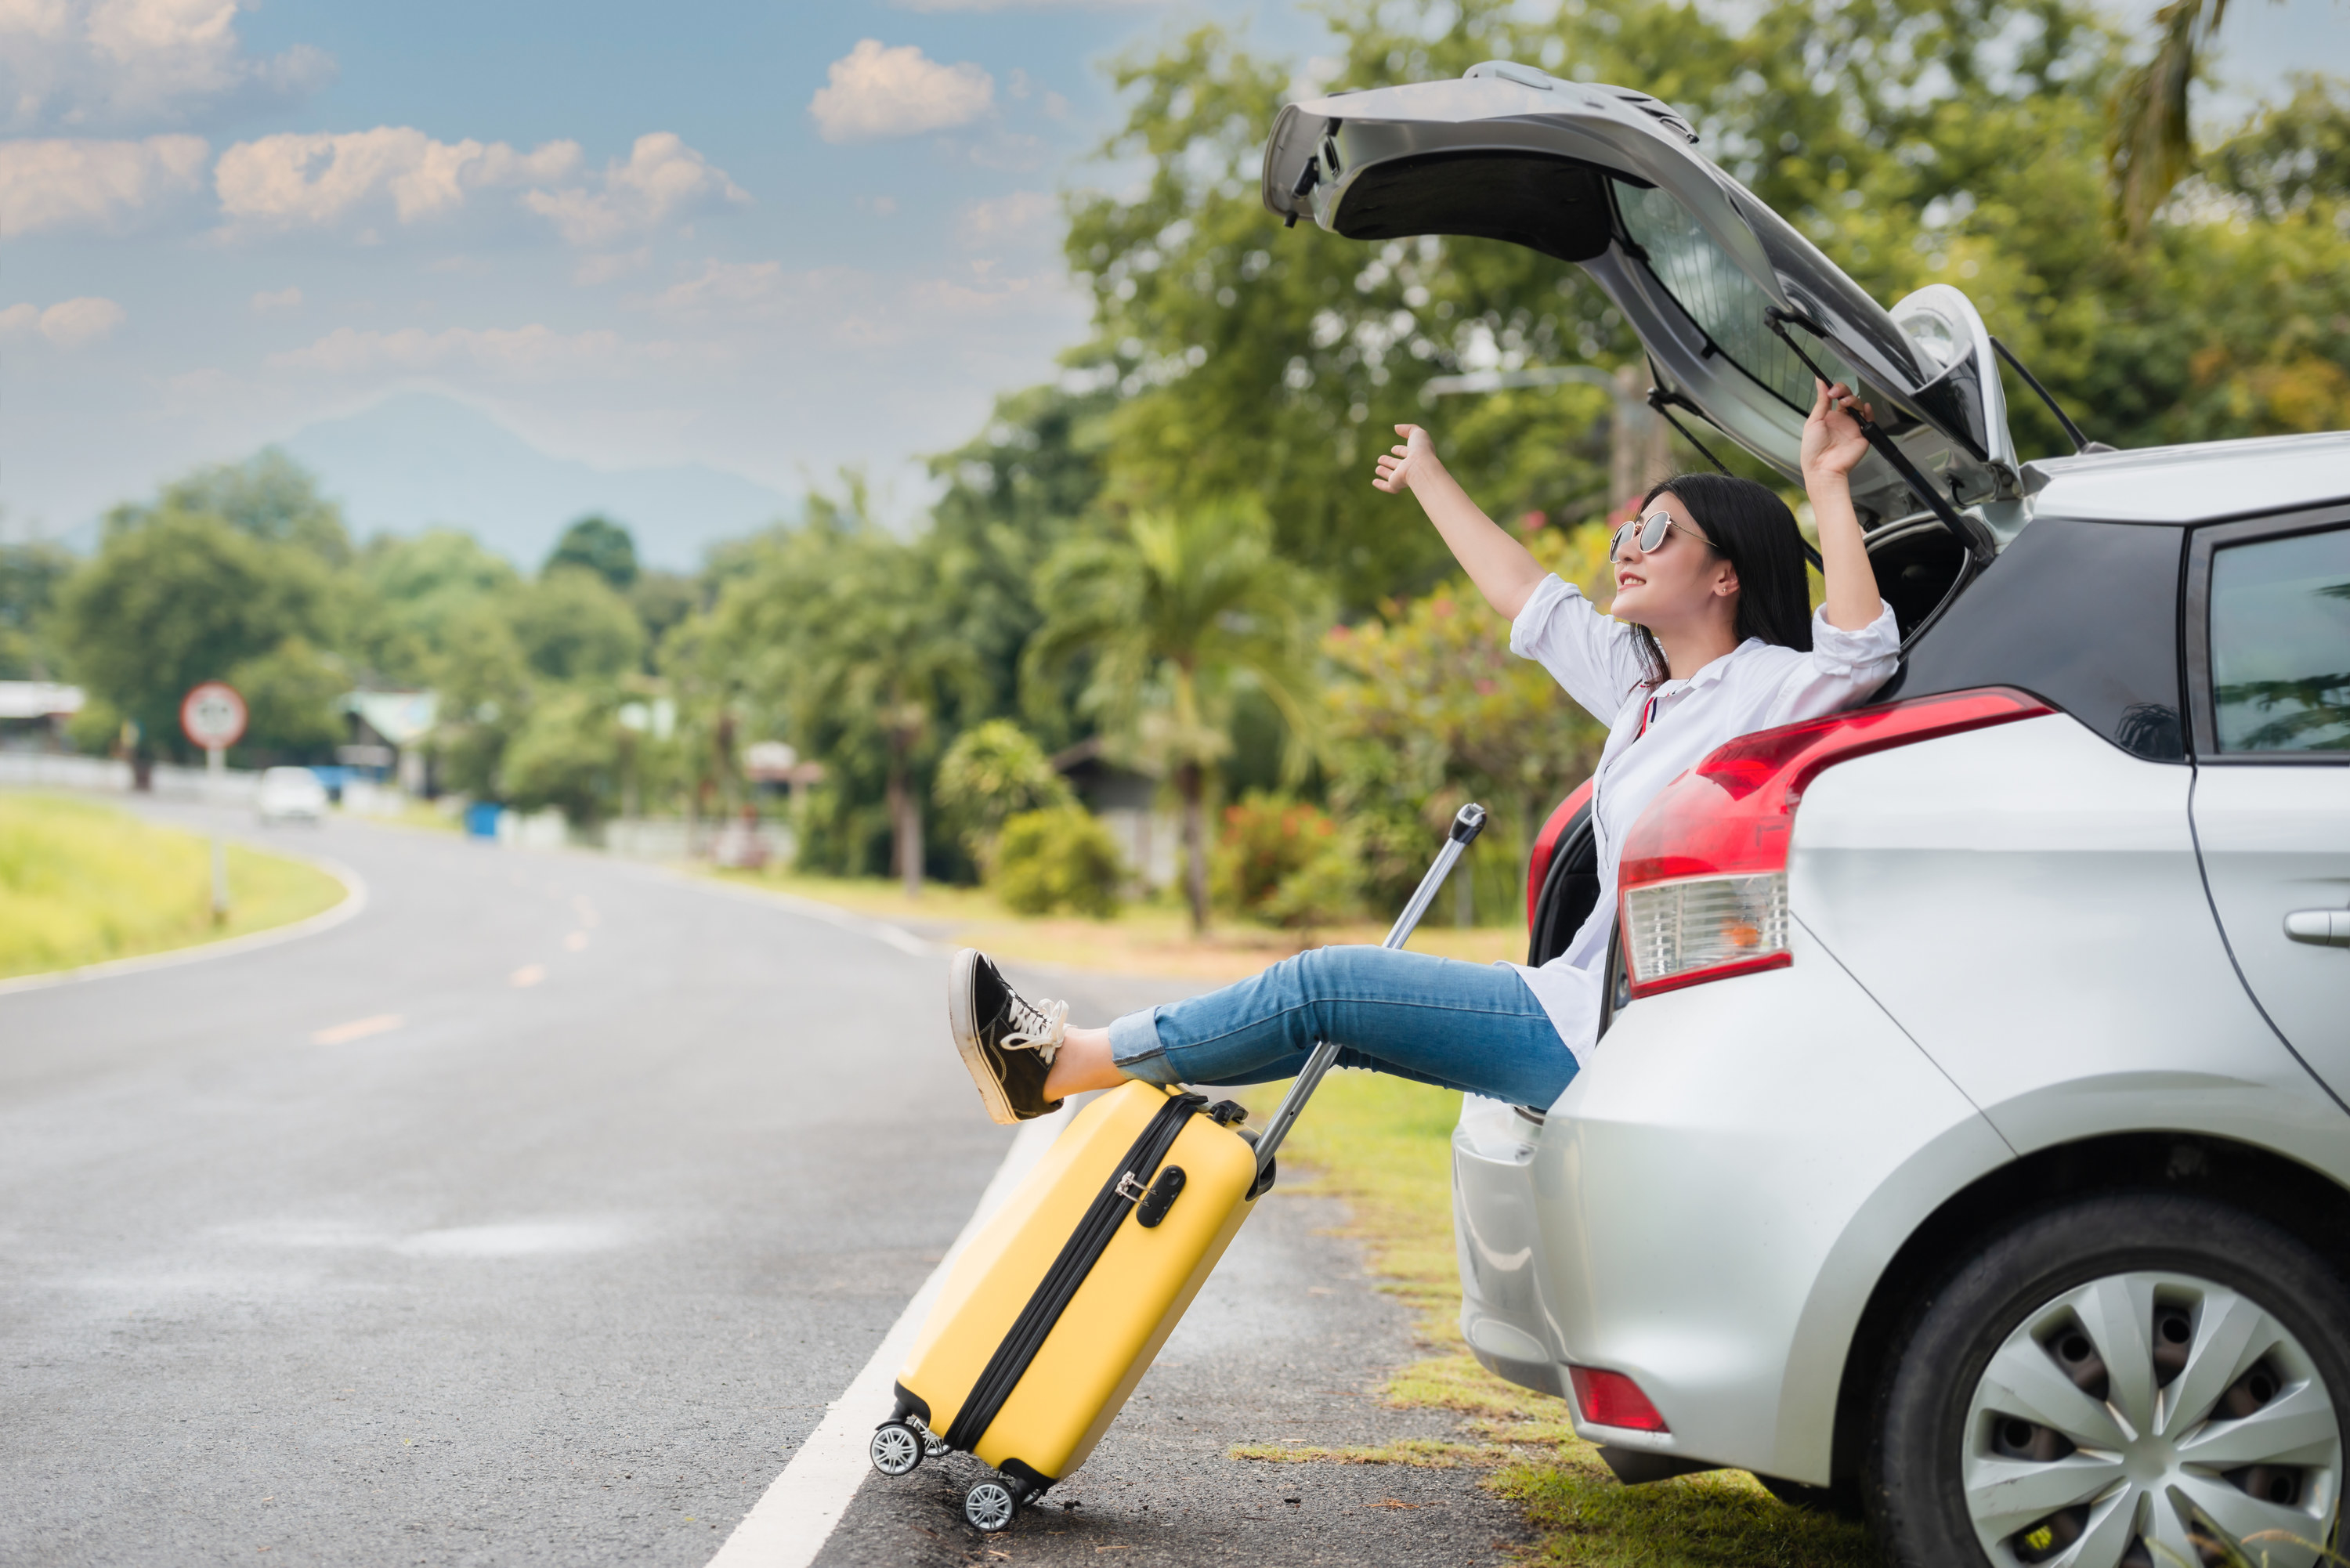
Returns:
(2136,1416)
(988,1506)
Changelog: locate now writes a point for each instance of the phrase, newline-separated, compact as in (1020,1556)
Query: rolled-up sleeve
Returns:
(1842,668)
(1596,659)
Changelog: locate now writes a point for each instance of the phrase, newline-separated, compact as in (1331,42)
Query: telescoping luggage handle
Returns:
(1464,830)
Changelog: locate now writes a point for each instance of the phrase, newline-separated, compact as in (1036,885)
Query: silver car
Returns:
(1968,1142)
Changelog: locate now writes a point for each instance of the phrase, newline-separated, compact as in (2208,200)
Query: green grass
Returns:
(81,883)
(1384,1145)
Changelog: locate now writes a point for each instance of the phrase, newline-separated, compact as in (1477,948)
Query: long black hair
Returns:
(1748,527)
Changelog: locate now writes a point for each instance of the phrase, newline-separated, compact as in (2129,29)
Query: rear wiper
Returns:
(2081,443)
(1919,486)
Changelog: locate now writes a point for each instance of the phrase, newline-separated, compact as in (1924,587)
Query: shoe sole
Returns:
(964,1023)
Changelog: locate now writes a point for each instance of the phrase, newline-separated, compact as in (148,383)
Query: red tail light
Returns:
(1612,1399)
(1703,879)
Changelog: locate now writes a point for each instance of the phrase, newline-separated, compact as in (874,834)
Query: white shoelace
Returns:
(1036,1026)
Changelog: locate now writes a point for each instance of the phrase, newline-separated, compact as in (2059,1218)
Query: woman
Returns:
(1707,639)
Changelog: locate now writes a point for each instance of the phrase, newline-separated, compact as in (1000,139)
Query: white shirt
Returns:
(1754,686)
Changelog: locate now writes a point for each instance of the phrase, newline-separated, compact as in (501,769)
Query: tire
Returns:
(990,1506)
(895,1449)
(2064,1390)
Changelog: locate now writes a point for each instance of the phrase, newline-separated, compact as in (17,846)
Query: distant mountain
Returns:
(416,461)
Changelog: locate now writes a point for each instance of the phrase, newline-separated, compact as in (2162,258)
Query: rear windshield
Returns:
(1726,304)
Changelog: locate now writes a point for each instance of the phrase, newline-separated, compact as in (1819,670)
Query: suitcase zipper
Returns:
(1059,1286)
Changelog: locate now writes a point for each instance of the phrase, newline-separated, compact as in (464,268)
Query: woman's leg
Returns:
(1463,1025)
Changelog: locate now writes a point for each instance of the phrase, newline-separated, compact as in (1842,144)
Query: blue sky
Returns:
(774,238)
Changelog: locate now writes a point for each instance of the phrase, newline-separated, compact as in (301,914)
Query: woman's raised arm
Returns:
(1503,569)
(1832,445)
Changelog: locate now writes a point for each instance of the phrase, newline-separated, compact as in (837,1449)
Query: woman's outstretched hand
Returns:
(1833,443)
(1397,467)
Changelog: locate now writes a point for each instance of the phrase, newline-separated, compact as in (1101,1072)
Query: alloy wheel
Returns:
(2139,1418)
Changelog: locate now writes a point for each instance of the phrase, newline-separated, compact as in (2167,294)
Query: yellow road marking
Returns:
(358,1029)
(528,974)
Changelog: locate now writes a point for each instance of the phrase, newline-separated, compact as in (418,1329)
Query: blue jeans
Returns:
(1461,1025)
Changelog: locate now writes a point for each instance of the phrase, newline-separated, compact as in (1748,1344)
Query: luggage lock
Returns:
(1130,1187)
(1160,1198)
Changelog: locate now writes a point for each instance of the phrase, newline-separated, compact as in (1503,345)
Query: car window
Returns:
(2281,644)
(1719,295)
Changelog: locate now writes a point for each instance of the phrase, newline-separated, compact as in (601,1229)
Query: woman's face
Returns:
(1677,580)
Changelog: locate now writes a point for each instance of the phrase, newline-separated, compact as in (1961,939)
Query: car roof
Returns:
(2198,484)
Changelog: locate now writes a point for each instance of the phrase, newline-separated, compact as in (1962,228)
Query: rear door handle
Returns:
(2319,927)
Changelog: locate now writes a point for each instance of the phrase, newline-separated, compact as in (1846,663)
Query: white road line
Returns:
(898,937)
(355,899)
(795,1517)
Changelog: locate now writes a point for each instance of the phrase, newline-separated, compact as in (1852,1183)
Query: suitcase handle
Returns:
(1464,832)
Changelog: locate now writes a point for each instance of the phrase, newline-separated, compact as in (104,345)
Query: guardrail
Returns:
(46,770)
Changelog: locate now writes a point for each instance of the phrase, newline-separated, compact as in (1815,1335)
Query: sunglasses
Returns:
(1651,531)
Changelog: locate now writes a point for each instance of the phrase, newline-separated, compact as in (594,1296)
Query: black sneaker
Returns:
(1006,1041)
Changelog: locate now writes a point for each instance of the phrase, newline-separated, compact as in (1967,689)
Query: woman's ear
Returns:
(1725,579)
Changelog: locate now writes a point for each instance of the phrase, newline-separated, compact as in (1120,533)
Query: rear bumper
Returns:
(1708,1208)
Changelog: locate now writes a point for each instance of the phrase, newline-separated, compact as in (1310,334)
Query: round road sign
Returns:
(213,714)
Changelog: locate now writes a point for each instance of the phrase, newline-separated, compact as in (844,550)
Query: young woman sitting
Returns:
(1707,639)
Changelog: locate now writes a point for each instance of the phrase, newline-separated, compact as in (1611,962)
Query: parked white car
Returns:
(291,794)
(1968,1141)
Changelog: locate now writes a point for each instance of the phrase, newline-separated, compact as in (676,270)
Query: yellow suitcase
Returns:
(1057,1307)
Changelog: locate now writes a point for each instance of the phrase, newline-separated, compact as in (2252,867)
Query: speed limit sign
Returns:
(213,715)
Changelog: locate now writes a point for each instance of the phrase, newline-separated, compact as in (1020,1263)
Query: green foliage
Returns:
(995,771)
(269,497)
(30,576)
(412,593)
(183,597)
(289,698)
(1435,710)
(1286,863)
(566,754)
(1059,859)
(596,543)
(572,626)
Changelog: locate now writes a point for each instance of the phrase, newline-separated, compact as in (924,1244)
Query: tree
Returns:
(573,627)
(268,496)
(1173,613)
(992,772)
(289,699)
(30,576)
(412,592)
(566,755)
(596,543)
(182,599)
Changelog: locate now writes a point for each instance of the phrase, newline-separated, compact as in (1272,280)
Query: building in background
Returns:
(34,715)
(385,731)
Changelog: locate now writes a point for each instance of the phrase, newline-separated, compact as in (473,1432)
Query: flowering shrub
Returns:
(1284,863)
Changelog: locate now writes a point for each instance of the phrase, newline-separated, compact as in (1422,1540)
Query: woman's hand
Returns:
(1399,467)
(1833,443)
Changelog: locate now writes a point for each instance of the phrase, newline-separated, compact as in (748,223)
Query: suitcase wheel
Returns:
(896,1448)
(990,1506)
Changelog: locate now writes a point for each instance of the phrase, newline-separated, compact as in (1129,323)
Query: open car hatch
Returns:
(1610,179)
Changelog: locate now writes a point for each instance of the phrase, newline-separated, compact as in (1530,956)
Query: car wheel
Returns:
(2123,1381)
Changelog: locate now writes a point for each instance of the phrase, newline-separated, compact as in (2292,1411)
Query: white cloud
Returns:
(295,180)
(663,178)
(86,63)
(521,353)
(272,302)
(611,267)
(1024,220)
(876,91)
(78,183)
(731,288)
(68,324)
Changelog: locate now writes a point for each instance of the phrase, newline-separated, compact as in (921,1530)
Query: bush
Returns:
(1062,857)
(993,773)
(1284,863)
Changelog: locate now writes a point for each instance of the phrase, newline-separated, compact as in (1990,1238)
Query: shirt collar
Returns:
(1712,671)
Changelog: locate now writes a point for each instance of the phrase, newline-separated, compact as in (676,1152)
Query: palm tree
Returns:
(2150,137)
(1175,610)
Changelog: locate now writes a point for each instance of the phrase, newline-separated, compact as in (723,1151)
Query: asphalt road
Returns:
(536,1214)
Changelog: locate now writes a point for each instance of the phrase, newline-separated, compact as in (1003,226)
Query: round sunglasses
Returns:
(1651,530)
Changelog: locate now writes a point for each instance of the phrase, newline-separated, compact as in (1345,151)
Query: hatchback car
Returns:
(1967,1140)
(291,794)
